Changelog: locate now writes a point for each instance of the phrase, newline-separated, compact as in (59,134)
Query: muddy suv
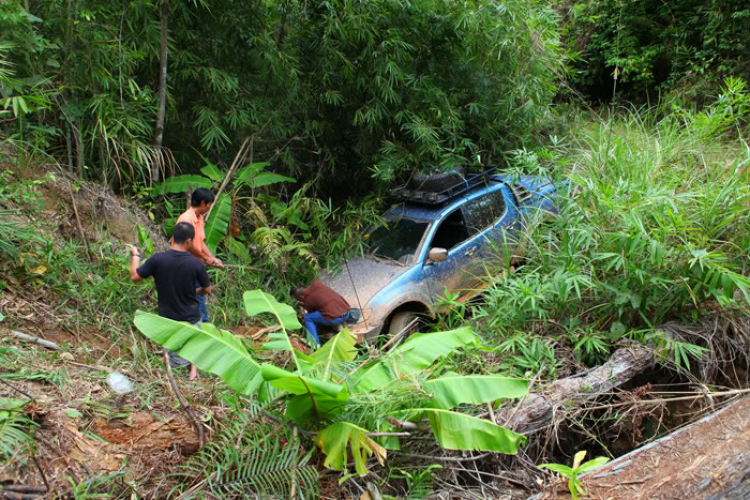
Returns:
(436,239)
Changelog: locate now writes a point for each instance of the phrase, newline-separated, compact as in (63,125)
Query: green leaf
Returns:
(297,384)
(246,173)
(238,249)
(215,351)
(257,302)
(559,468)
(592,464)
(2,317)
(456,431)
(212,172)
(144,240)
(181,184)
(340,348)
(268,178)
(217,225)
(73,413)
(413,356)
(449,392)
(304,408)
(578,458)
(335,439)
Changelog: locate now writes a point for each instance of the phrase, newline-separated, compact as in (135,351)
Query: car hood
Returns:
(369,277)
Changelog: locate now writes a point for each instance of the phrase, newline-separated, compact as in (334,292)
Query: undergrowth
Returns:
(656,226)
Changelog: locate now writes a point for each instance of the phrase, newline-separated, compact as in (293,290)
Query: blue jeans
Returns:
(315,318)
(202,306)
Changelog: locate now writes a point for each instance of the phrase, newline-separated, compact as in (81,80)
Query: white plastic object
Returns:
(119,383)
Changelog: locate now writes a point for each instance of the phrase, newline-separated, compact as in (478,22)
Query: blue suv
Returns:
(436,241)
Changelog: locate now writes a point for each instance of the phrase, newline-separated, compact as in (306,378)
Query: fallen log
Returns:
(538,411)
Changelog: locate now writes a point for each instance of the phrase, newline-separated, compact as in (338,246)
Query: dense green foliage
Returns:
(333,92)
(681,45)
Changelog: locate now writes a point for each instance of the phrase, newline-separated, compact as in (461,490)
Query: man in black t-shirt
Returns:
(176,272)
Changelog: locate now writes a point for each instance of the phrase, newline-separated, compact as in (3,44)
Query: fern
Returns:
(248,460)
(13,428)
(269,471)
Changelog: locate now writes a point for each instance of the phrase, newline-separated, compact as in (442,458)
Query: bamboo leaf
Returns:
(215,351)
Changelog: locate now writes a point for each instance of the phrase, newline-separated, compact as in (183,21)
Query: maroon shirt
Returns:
(319,297)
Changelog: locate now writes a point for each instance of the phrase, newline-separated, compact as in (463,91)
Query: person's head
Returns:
(201,200)
(184,232)
(297,292)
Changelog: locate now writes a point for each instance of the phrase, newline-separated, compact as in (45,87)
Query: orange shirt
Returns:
(189,216)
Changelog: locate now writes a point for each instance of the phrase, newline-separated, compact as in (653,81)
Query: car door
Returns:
(488,217)
(454,274)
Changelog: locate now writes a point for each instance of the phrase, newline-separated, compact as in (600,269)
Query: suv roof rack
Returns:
(435,198)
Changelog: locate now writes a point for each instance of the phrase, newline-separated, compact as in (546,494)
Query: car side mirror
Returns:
(437,254)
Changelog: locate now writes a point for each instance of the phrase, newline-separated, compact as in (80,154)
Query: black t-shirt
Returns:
(176,274)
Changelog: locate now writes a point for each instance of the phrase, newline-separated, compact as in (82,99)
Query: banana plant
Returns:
(251,176)
(329,392)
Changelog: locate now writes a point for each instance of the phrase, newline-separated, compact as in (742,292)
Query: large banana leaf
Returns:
(217,224)
(413,356)
(215,351)
(333,440)
(305,408)
(456,431)
(314,398)
(298,384)
(212,172)
(253,177)
(257,302)
(340,348)
(181,184)
(451,391)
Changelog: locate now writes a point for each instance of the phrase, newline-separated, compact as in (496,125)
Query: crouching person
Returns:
(324,307)
(176,273)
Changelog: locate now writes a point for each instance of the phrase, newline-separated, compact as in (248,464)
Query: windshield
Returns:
(398,241)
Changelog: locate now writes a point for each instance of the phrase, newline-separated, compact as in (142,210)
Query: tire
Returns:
(401,320)
(436,182)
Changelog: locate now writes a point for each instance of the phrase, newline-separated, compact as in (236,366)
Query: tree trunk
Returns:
(538,411)
(161,111)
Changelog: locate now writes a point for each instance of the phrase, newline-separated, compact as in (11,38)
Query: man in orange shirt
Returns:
(200,204)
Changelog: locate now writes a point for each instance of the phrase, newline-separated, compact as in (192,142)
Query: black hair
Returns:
(183,231)
(296,289)
(200,195)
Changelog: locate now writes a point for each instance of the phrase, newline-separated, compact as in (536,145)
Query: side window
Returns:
(484,211)
(451,232)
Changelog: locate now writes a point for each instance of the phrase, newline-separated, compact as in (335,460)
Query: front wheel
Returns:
(406,322)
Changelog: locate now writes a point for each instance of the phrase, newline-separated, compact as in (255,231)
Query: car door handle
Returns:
(470,252)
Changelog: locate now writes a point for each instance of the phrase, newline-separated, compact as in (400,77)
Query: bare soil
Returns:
(698,461)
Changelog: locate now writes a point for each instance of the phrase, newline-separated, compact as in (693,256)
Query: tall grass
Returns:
(656,227)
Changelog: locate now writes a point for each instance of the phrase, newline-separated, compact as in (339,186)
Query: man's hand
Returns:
(214,262)
(135,251)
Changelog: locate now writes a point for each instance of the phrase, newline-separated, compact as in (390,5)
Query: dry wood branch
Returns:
(183,402)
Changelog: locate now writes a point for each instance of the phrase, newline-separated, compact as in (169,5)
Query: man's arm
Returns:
(206,290)
(135,260)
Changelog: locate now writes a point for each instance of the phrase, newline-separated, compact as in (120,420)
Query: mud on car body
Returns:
(431,244)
